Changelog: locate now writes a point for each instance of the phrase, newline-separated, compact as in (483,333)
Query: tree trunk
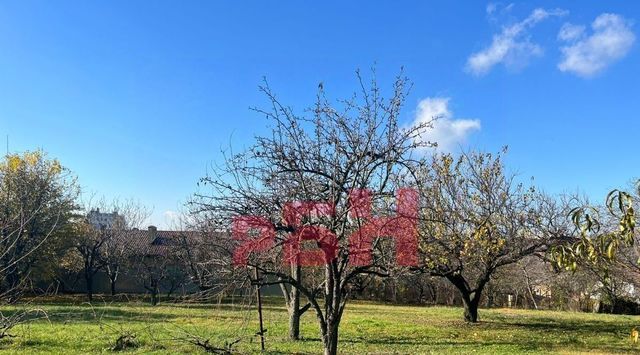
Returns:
(334,305)
(470,297)
(490,299)
(533,297)
(154,298)
(330,338)
(155,292)
(394,291)
(294,325)
(113,272)
(113,287)
(529,287)
(470,308)
(292,297)
(89,279)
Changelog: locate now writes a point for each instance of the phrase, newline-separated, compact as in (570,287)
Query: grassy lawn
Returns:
(76,327)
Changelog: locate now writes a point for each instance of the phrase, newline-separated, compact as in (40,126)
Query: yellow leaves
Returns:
(14,162)
(447,160)
(597,245)
(31,162)
(55,167)
(484,240)
(32,158)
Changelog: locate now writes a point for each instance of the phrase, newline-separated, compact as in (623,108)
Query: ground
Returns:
(74,327)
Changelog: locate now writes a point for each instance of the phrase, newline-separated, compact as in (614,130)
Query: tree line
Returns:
(482,232)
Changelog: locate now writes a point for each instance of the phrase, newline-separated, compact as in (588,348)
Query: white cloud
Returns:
(611,40)
(512,46)
(569,32)
(496,8)
(447,132)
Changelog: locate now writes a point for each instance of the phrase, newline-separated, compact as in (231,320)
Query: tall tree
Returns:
(476,219)
(38,201)
(337,149)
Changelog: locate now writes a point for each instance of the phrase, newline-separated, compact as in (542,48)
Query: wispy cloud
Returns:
(491,8)
(447,132)
(570,32)
(496,8)
(586,56)
(512,46)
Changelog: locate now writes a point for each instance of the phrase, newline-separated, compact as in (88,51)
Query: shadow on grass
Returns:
(545,324)
(62,315)
(519,346)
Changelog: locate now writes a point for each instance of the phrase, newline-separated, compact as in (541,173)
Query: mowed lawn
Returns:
(80,328)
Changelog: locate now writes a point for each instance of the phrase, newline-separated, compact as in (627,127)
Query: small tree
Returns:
(114,249)
(152,270)
(476,219)
(89,244)
(603,241)
(155,263)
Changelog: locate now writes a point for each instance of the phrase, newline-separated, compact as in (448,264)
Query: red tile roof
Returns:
(145,242)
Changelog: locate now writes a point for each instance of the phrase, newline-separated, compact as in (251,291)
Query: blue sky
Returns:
(138,97)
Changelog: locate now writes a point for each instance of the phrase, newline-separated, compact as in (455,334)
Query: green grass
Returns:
(76,327)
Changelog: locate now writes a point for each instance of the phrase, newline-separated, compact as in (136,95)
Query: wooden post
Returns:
(259,296)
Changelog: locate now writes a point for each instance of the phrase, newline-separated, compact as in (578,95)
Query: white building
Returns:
(103,220)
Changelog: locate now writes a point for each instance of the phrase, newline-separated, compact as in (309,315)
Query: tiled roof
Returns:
(145,242)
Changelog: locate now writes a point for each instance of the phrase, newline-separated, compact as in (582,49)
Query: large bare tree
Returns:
(321,156)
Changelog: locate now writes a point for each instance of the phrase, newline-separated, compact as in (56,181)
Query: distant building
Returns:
(103,220)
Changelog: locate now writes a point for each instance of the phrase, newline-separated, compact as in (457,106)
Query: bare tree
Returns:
(153,260)
(114,249)
(353,145)
(88,246)
(152,270)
